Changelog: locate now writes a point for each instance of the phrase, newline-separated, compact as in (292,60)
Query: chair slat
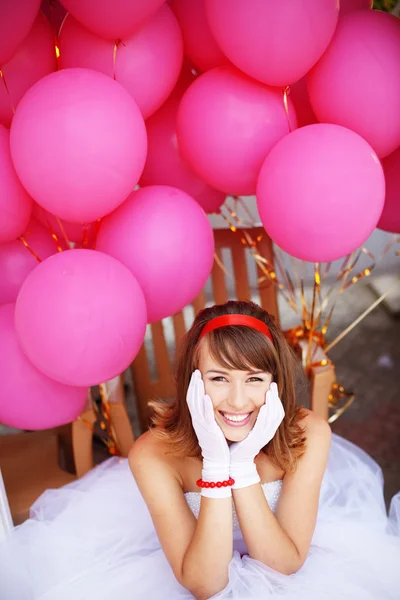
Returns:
(160,350)
(241,274)
(218,281)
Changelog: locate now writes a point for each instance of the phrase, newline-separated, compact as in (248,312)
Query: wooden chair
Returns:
(152,370)
(30,462)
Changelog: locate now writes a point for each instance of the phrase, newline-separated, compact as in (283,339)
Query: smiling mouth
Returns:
(233,420)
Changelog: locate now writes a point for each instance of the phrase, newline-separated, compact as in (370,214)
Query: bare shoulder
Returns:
(315,427)
(150,452)
(146,445)
(318,436)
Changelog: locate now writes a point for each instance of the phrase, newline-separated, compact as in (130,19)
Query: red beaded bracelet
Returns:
(213,484)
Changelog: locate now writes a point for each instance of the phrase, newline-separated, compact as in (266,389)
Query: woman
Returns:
(237,493)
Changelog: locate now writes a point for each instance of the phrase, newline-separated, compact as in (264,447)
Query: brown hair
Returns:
(243,348)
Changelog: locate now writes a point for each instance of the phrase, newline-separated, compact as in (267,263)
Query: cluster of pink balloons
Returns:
(116,142)
(74,316)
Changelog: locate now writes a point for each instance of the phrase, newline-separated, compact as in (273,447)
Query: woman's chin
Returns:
(235,434)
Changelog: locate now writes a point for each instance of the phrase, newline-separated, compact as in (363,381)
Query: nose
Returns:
(238,399)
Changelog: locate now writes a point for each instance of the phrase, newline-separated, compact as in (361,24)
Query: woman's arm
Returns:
(199,552)
(282,541)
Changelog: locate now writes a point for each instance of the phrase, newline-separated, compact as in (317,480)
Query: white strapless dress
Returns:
(94,540)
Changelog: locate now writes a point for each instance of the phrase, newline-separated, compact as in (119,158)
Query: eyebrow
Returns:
(226,372)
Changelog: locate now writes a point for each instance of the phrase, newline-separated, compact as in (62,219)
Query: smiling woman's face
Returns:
(237,396)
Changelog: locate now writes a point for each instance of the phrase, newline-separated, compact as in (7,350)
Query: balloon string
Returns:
(286,91)
(117,43)
(57,51)
(85,240)
(7,90)
(54,235)
(61,226)
(222,266)
(27,246)
(98,223)
(56,33)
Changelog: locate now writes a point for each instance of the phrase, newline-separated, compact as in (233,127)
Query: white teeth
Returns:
(236,418)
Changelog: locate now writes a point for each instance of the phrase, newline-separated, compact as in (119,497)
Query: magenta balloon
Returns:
(80,317)
(112,20)
(147,64)
(299,97)
(15,204)
(358,74)
(320,192)
(227,123)
(164,163)
(16,19)
(29,399)
(274,42)
(200,45)
(78,143)
(34,59)
(17,260)
(347,6)
(163,236)
(390,218)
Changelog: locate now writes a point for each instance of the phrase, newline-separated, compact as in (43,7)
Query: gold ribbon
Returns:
(286,92)
(117,43)
(103,423)
(2,77)
(27,246)
(338,400)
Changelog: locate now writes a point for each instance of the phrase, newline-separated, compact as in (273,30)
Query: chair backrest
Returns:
(152,369)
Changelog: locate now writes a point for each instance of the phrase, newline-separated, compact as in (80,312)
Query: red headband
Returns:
(229,319)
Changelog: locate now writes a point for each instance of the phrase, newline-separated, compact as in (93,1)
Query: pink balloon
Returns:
(15,204)
(274,42)
(34,59)
(17,260)
(200,45)
(164,163)
(163,236)
(29,399)
(390,218)
(83,234)
(299,96)
(320,192)
(227,123)
(357,75)
(80,317)
(112,20)
(147,64)
(16,19)
(78,143)
(347,6)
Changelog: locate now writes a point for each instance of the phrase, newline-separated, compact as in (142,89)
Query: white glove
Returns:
(242,467)
(213,444)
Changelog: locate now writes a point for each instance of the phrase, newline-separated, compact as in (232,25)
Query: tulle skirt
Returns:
(94,539)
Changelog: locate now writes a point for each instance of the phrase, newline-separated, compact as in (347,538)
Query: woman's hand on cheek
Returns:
(214,447)
(242,467)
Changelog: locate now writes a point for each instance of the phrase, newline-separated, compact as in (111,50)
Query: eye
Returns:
(218,378)
(256,379)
